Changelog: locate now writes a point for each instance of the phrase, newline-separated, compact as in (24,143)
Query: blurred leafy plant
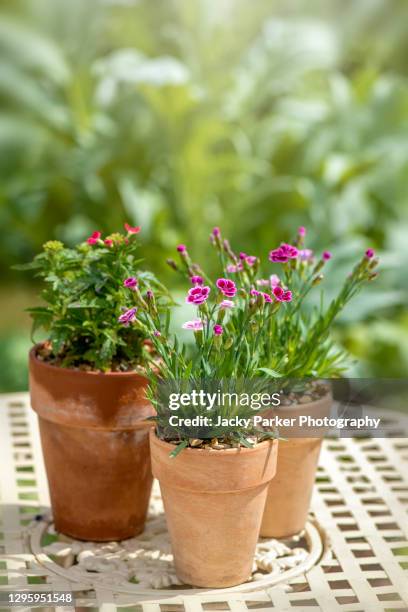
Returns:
(170,118)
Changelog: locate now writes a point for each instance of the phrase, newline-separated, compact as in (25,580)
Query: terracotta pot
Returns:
(289,494)
(96,449)
(213,501)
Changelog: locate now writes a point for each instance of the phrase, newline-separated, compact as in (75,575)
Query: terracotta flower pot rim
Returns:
(75,372)
(212,451)
(296,406)
(79,392)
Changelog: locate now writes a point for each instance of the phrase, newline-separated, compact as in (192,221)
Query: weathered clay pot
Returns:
(95,443)
(213,501)
(289,494)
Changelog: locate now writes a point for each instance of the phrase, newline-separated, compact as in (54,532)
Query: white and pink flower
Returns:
(194,325)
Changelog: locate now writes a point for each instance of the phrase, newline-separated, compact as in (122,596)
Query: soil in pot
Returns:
(95,442)
(213,500)
(289,494)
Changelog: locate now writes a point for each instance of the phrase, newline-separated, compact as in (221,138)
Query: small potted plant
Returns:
(88,385)
(299,348)
(292,345)
(213,476)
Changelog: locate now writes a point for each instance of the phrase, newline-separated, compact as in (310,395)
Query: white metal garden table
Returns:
(353,556)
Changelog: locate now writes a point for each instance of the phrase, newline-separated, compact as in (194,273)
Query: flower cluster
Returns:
(231,313)
(114,239)
(248,315)
(265,321)
(250,325)
(240,294)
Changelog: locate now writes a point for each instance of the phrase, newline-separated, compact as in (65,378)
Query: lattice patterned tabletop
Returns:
(360,503)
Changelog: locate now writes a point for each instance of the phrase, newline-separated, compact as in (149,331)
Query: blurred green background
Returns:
(183,114)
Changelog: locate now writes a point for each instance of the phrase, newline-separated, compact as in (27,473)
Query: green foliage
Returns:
(249,328)
(84,294)
(14,347)
(263,332)
(228,420)
(300,343)
(178,114)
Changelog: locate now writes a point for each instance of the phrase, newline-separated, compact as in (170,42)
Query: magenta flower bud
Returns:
(267,298)
(218,330)
(302,231)
(226,286)
(251,260)
(149,294)
(197,280)
(281,295)
(156,333)
(216,232)
(181,248)
(242,256)
(326,255)
(94,237)
(254,292)
(131,282)
(278,291)
(127,317)
(370,253)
